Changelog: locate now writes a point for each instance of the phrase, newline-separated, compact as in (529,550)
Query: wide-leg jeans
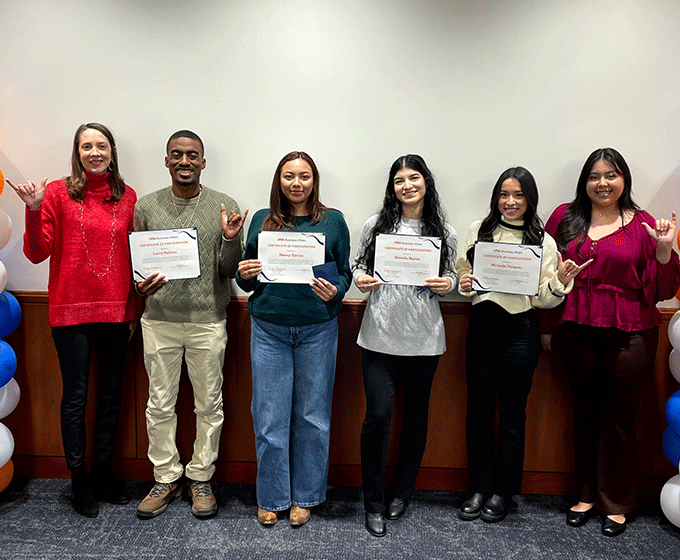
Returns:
(293,371)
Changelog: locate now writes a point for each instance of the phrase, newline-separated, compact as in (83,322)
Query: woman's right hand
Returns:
(367,283)
(465,282)
(249,268)
(31,194)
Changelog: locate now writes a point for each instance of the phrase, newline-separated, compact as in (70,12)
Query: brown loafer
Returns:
(299,516)
(267,518)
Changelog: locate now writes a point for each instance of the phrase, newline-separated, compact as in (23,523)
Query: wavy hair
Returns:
(532,231)
(433,221)
(576,220)
(75,183)
(280,209)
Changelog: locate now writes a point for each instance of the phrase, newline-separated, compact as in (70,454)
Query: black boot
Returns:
(105,487)
(83,500)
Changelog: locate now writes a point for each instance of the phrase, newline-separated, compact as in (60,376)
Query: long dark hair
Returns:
(433,220)
(577,218)
(75,183)
(280,209)
(532,232)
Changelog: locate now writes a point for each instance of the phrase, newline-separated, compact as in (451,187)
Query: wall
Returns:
(474,87)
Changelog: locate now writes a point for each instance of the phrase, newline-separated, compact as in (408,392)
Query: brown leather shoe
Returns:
(299,516)
(267,518)
(158,499)
(203,503)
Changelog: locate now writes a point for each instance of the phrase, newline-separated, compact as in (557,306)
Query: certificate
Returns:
(171,252)
(406,259)
(288,257)
(508,268)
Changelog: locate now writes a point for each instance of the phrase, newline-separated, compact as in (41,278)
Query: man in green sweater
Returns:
(187,317)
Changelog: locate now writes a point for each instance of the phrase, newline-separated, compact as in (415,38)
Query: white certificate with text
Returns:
(406,259)
(288,257)
(508,268)
(171,252)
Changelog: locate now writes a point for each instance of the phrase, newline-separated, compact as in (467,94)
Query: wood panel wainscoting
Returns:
(549,451)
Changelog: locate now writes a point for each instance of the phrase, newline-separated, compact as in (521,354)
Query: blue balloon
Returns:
(673,412)
(10,313)
(671,446)
(8,363)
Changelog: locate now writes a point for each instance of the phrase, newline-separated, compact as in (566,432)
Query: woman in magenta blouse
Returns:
(608,339)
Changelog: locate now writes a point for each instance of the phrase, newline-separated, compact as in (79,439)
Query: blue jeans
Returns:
(293,374)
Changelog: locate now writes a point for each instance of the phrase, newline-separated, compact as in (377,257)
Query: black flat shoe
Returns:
(375,524)
(85,504)
(578,518)
(611,528)
(495,509)
(472,507)
(395,509)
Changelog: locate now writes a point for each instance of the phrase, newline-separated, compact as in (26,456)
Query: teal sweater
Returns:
(297,304)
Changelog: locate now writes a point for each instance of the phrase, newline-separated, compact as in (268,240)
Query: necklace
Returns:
(191,219)
(113,240)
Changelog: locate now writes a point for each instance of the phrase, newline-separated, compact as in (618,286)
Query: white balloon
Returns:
(674,330)
(9,397)
(674,363)
(5,228)
(670,500)
(6,445)
(3,276)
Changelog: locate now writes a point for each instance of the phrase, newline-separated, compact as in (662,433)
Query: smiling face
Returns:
(512,203)
(94,151)
(297,181)
(185,161)
(605,185)
(409,186)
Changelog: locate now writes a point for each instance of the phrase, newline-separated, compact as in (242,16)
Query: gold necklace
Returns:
(191,219)
(113,240)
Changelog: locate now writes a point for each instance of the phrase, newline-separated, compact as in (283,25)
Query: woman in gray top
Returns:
(401,336)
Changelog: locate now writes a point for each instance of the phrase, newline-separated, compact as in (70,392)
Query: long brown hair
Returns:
(280,209)
(75,183)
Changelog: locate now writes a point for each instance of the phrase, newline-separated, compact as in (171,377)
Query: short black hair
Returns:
(185,134)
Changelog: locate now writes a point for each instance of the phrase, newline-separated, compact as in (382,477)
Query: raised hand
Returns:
(31,194)
(568,270)
(664,234)
(232,223)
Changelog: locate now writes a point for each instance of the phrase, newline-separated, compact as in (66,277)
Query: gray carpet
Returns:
(37,522)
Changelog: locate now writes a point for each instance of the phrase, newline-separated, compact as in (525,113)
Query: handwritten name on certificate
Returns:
(406,259)
(508,268)
(288,257)
(171,252)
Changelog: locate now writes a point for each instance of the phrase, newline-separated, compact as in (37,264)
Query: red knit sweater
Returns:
(76,294)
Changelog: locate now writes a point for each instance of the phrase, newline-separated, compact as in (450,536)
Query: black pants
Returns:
(606,369)
(381,374)
(502,353)
(73,344)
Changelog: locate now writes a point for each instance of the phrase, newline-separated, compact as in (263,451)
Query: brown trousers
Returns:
(606,369)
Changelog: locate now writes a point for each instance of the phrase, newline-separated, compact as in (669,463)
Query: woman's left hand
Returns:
(664,234)
(568,270)
(439,285)
(323,288)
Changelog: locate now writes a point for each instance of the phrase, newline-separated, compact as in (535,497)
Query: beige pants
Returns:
(203,346)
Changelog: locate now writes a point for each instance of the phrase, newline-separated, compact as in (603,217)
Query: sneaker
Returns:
(203,503)
(158,499)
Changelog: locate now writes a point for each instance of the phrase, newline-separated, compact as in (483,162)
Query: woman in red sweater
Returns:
(81,222)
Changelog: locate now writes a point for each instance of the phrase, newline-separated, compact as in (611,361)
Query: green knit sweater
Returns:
(297,304)
(193,300)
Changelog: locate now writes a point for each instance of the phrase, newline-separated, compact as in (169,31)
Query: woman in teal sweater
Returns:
(293,347)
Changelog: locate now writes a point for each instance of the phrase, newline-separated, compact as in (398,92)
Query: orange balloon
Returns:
(6,474)
(2,181)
